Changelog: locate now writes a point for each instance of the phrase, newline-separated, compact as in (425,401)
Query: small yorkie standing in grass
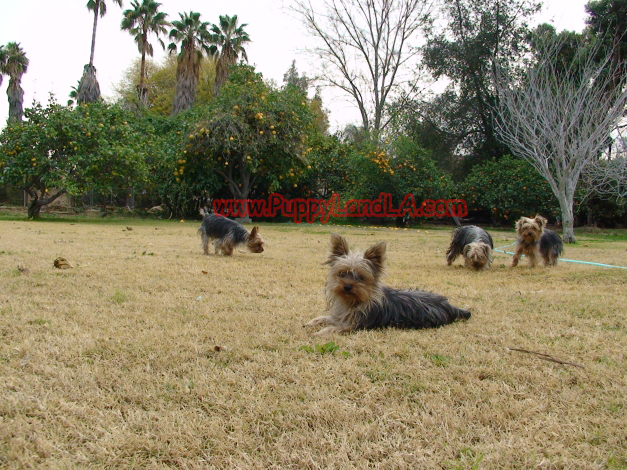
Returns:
(534,239)
(474,244)
(357,299)
(227,234)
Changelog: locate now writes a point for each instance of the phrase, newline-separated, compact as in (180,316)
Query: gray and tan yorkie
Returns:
(474,244)
(227,234)
(357,299)
(534,240)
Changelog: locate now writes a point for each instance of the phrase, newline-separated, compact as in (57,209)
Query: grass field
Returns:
(136,358)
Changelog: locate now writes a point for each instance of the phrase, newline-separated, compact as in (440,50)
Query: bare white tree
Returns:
(608,175)
(558,117)
(364,46)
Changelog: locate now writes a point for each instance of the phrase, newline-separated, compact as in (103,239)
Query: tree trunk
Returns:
(37,202)
(142,96)
(88,88)
(142,90)
(15,94)
(187,74)
(93,34)
(566,207)
(34,208)
(221,76)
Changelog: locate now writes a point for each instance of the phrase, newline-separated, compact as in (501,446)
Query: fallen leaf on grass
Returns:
(62,263)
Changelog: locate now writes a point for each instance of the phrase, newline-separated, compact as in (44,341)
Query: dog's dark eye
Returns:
(342,274)
(359,278)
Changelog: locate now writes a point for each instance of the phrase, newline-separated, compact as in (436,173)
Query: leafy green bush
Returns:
(508,188)
(328,169)
(402,168)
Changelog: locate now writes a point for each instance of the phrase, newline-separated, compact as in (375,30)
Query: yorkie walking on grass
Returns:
(357,299)
(227,234)
(474,244)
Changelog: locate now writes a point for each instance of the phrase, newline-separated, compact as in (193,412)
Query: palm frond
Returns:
(228,41)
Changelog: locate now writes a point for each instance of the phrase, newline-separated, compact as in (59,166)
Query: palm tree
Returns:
(194,38)
(139,21)
(15,65)
(89,90)
(3,59)
(228,39)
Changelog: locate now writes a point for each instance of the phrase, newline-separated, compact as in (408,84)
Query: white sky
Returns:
(56,36)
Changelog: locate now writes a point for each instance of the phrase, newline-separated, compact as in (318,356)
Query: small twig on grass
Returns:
(546,357)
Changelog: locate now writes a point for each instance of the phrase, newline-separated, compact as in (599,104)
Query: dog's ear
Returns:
(488,252)
(376,255)
(254,232)
(541,221)
(466,250)
(519,224)
(339,248)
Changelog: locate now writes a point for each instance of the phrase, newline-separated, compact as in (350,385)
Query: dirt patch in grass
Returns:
(136,358)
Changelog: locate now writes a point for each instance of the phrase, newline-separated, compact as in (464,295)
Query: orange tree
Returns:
(58,150)
(399,168)
(328,170)
(183,185)
(251,132)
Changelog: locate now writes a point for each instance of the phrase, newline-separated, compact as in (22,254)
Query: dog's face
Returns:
(530,230)
(255,242)
(353,276)
(477,255)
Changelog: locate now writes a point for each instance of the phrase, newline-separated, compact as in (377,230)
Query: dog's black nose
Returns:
(347,287)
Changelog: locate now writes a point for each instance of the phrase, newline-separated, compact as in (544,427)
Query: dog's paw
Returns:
(317,321)
(329,330)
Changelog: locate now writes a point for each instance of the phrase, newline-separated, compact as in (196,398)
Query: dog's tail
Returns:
(444,313)
(557,252)
(461,313)
(455,218)
(551,246)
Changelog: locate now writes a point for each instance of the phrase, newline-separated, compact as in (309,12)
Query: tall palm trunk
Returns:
(15,94)
(227,58)
(187,74)
(221,76)
(142,91)
(93,34)
(15,67)
(88,88)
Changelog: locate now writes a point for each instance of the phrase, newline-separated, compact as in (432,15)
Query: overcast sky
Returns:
(56,36)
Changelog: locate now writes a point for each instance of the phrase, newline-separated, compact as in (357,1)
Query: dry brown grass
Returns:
(113,364)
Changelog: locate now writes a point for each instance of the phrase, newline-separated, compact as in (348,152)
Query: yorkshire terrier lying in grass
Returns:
(357,299)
